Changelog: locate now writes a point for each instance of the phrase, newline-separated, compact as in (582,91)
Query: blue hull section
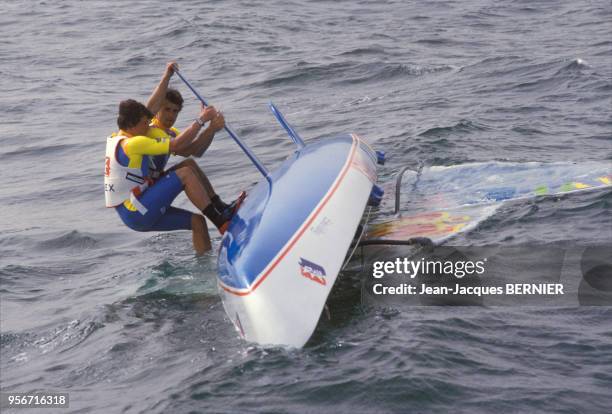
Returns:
(274,210)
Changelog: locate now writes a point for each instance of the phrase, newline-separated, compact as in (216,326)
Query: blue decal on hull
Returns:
(312,271)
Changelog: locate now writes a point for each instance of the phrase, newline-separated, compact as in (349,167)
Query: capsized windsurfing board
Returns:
(284,248)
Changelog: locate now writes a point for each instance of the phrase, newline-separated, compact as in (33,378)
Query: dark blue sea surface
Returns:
(131,322)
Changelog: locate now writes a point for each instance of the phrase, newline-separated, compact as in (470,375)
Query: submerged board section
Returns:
(441,202)
(438,226)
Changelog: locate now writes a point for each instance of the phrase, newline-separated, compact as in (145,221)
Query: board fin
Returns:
(281,120)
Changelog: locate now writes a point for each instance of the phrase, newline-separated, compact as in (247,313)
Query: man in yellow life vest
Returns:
(144,204)
(162,127)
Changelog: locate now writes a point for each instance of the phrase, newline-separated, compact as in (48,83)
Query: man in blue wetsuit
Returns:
(144,202)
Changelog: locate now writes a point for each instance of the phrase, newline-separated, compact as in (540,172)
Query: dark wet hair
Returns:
(175,97)
(130,113)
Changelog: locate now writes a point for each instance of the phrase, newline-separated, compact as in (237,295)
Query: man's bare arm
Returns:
(199,146)
(156,99)
(185,144)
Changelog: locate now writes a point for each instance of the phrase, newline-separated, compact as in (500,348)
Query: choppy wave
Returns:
(462,127)
(348,72)
(73,239)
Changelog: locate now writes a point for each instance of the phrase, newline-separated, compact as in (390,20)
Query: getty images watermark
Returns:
(493,276)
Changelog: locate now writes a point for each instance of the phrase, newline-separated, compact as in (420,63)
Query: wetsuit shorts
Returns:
(160,216)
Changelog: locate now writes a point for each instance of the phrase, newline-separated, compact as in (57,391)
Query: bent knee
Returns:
(189,162)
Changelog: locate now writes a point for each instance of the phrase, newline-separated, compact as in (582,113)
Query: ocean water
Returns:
(131,322)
